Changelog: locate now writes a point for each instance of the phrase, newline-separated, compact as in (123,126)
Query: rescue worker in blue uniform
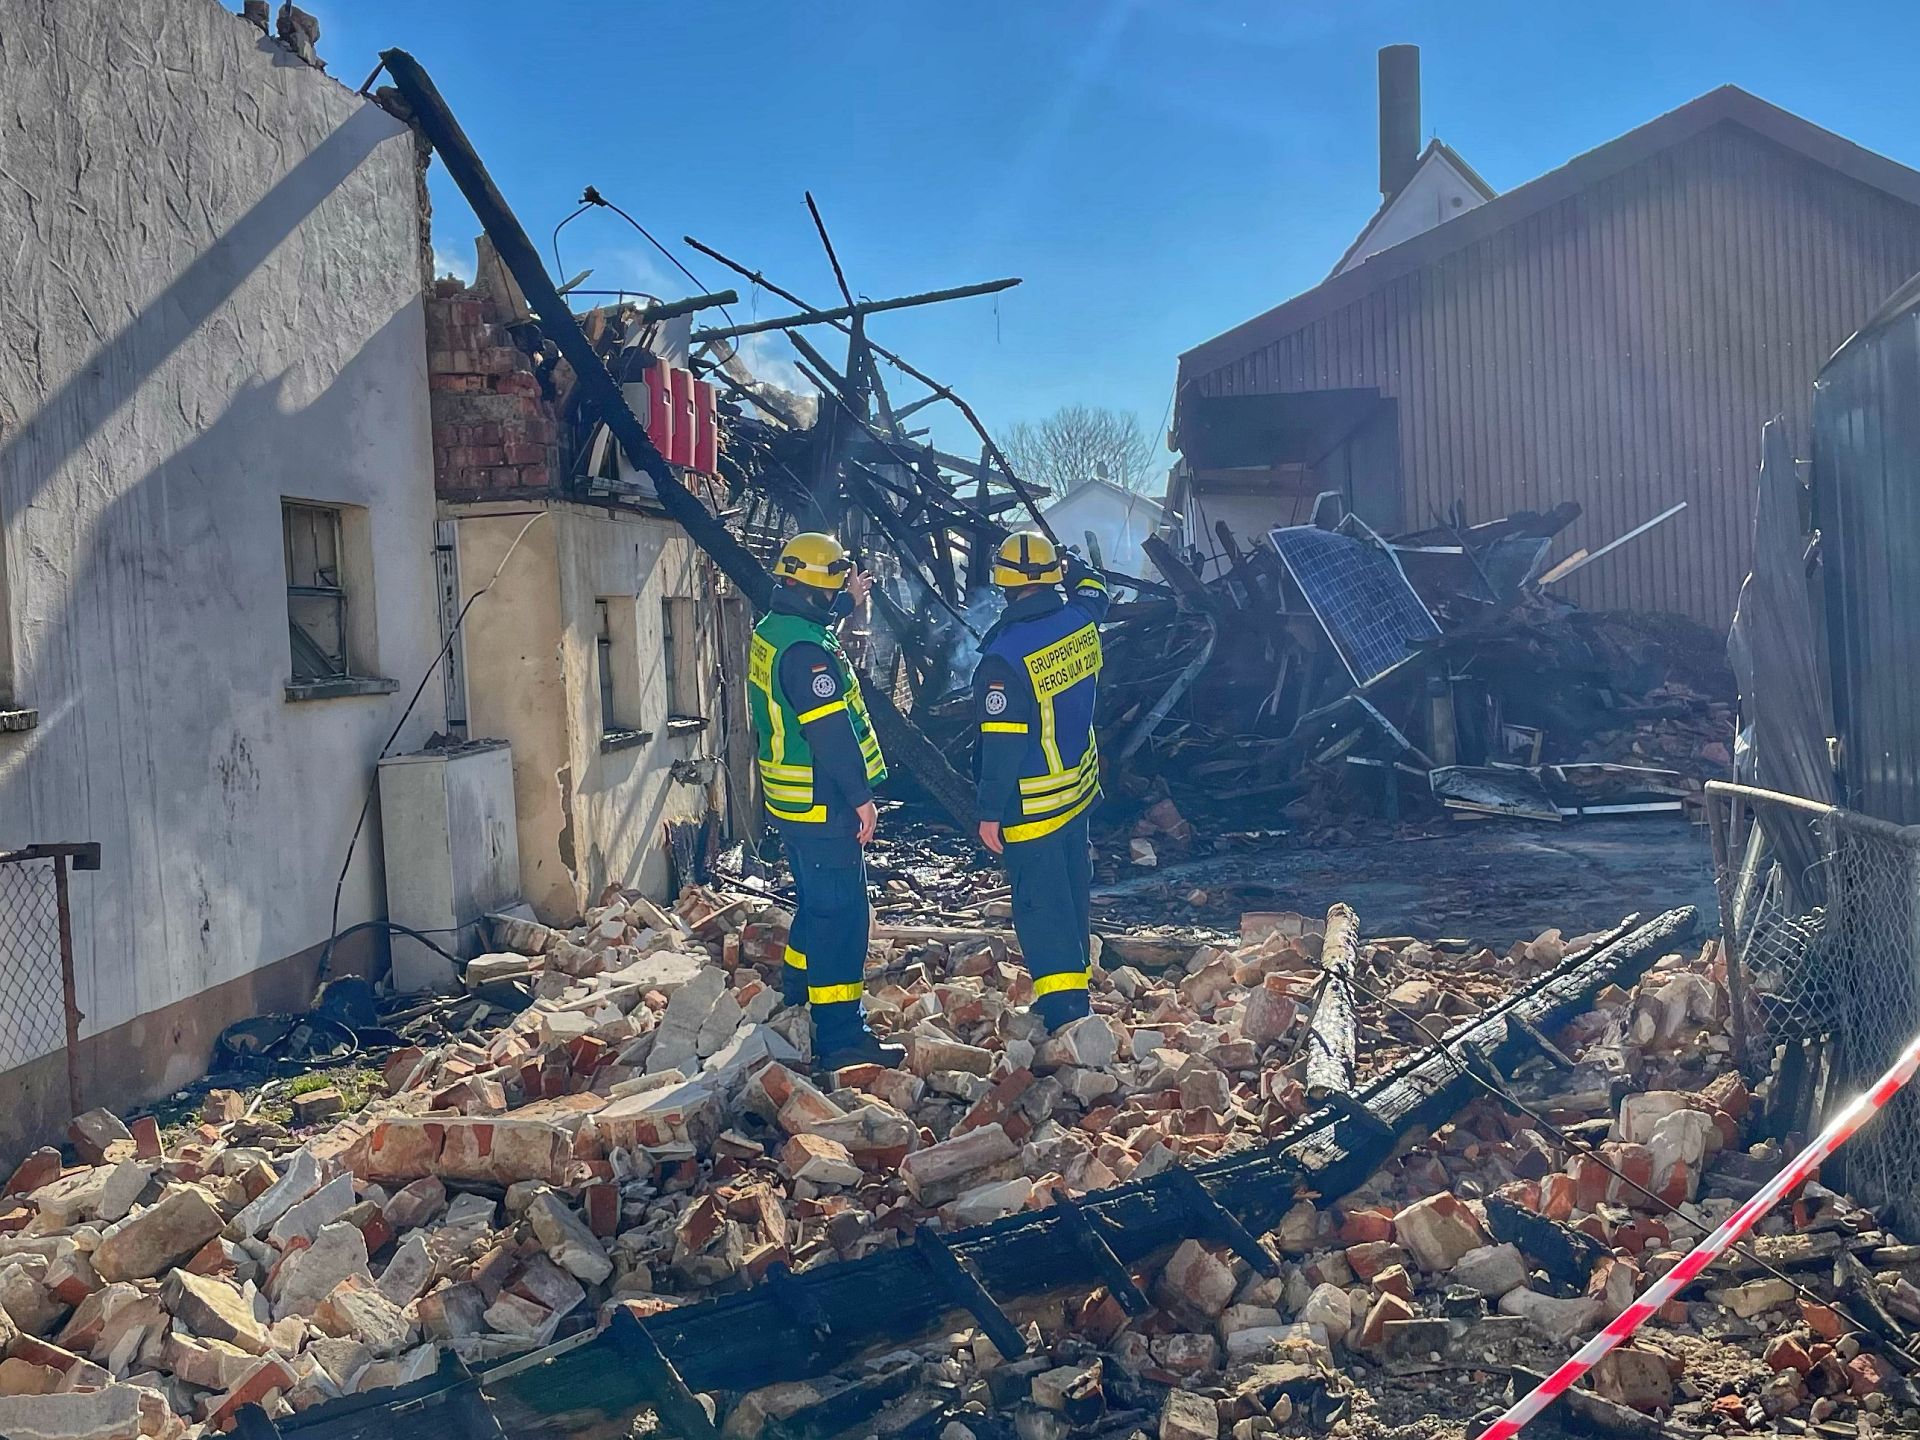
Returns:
(1038,764)
(819,761)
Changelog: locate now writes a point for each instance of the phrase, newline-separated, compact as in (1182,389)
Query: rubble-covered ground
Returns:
(1496,881)
(644,1132)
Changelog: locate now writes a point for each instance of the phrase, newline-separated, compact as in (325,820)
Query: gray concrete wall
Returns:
(587,816)
(212,302)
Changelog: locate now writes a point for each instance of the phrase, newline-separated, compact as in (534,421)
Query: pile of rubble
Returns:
(1473,1262)
(1243,685)
(644,1133)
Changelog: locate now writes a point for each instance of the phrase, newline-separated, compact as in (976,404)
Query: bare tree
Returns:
(1081,442)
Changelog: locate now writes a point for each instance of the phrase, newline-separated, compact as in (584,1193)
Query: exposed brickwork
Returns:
(494,435)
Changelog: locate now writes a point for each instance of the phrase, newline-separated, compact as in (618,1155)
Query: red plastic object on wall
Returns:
(706,428)
(659,416)
(680,452)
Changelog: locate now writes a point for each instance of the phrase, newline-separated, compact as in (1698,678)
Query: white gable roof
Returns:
(1442,186)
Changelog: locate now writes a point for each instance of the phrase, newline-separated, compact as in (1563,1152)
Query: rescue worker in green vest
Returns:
(819,762)
(1038,765)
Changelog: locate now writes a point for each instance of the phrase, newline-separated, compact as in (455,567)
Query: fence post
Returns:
(1719,829)
(70,1002)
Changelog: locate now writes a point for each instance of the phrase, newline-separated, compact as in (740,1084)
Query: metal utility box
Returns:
(448,826)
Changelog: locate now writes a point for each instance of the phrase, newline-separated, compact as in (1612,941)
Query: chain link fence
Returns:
(1821,911)
(39,1014)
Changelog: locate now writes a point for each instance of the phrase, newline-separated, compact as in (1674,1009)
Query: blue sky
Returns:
(1155,170)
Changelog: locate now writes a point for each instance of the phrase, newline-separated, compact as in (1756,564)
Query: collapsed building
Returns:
(1296,1178)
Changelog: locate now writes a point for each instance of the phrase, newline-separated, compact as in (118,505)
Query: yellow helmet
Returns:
(1027,557)
(814,559)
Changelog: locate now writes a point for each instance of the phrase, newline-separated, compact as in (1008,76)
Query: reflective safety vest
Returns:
(1059,654)
(786,760)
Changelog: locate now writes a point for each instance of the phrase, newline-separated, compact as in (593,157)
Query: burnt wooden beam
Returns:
(845,312)
(595,383)
(1190,672)
(906,744)
(1028,496)
(669,309)
(1330,1032)
(860,488)
(1179,574)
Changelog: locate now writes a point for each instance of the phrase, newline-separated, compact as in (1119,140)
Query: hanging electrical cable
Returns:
(591,196)
(559,269)
(334,932)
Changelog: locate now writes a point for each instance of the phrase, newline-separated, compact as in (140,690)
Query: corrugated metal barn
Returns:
(1614,333)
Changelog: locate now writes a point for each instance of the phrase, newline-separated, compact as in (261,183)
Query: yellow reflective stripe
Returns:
(786,772)
(1054,984)
(815,816)
(807,717)
(1061,779)
(1034,829)
(795,959)
(833,994)
(1003,727)
(1046,804)
(801,795)
(1057,794)
(1049,742)
(760,671)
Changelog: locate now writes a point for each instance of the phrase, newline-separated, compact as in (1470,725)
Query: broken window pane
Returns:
(316,602)
(603,646)
(679,638)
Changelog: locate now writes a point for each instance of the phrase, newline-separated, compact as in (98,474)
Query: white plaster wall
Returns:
(1436,194)
(1122,523)
(586,817)
(211,301)
(1248,517)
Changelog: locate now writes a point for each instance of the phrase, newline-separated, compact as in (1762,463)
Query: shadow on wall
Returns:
(72,415)
(223,822)
(655,792)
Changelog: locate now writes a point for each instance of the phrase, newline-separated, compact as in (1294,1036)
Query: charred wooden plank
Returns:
(1028,495)
(844,312)
(905,743)
(1179,574)
(1330,1032)
(964,1290)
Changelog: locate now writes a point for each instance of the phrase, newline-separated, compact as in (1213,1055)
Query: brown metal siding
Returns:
(1621,348)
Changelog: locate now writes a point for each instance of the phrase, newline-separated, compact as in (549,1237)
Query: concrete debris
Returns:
(647,1132)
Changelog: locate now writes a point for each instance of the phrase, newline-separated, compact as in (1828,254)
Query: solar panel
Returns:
(1358,594)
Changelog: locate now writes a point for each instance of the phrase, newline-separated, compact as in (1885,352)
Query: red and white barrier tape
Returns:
(1837,1133)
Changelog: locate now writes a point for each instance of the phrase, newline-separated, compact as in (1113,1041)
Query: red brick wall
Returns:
(494,435)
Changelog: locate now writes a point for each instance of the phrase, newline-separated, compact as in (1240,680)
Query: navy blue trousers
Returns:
(826,955)
(1051,878)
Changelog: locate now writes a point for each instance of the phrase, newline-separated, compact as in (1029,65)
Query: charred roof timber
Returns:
(1399,117)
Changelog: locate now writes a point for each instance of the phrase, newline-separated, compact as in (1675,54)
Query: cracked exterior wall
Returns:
(587,817)
(213,301)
